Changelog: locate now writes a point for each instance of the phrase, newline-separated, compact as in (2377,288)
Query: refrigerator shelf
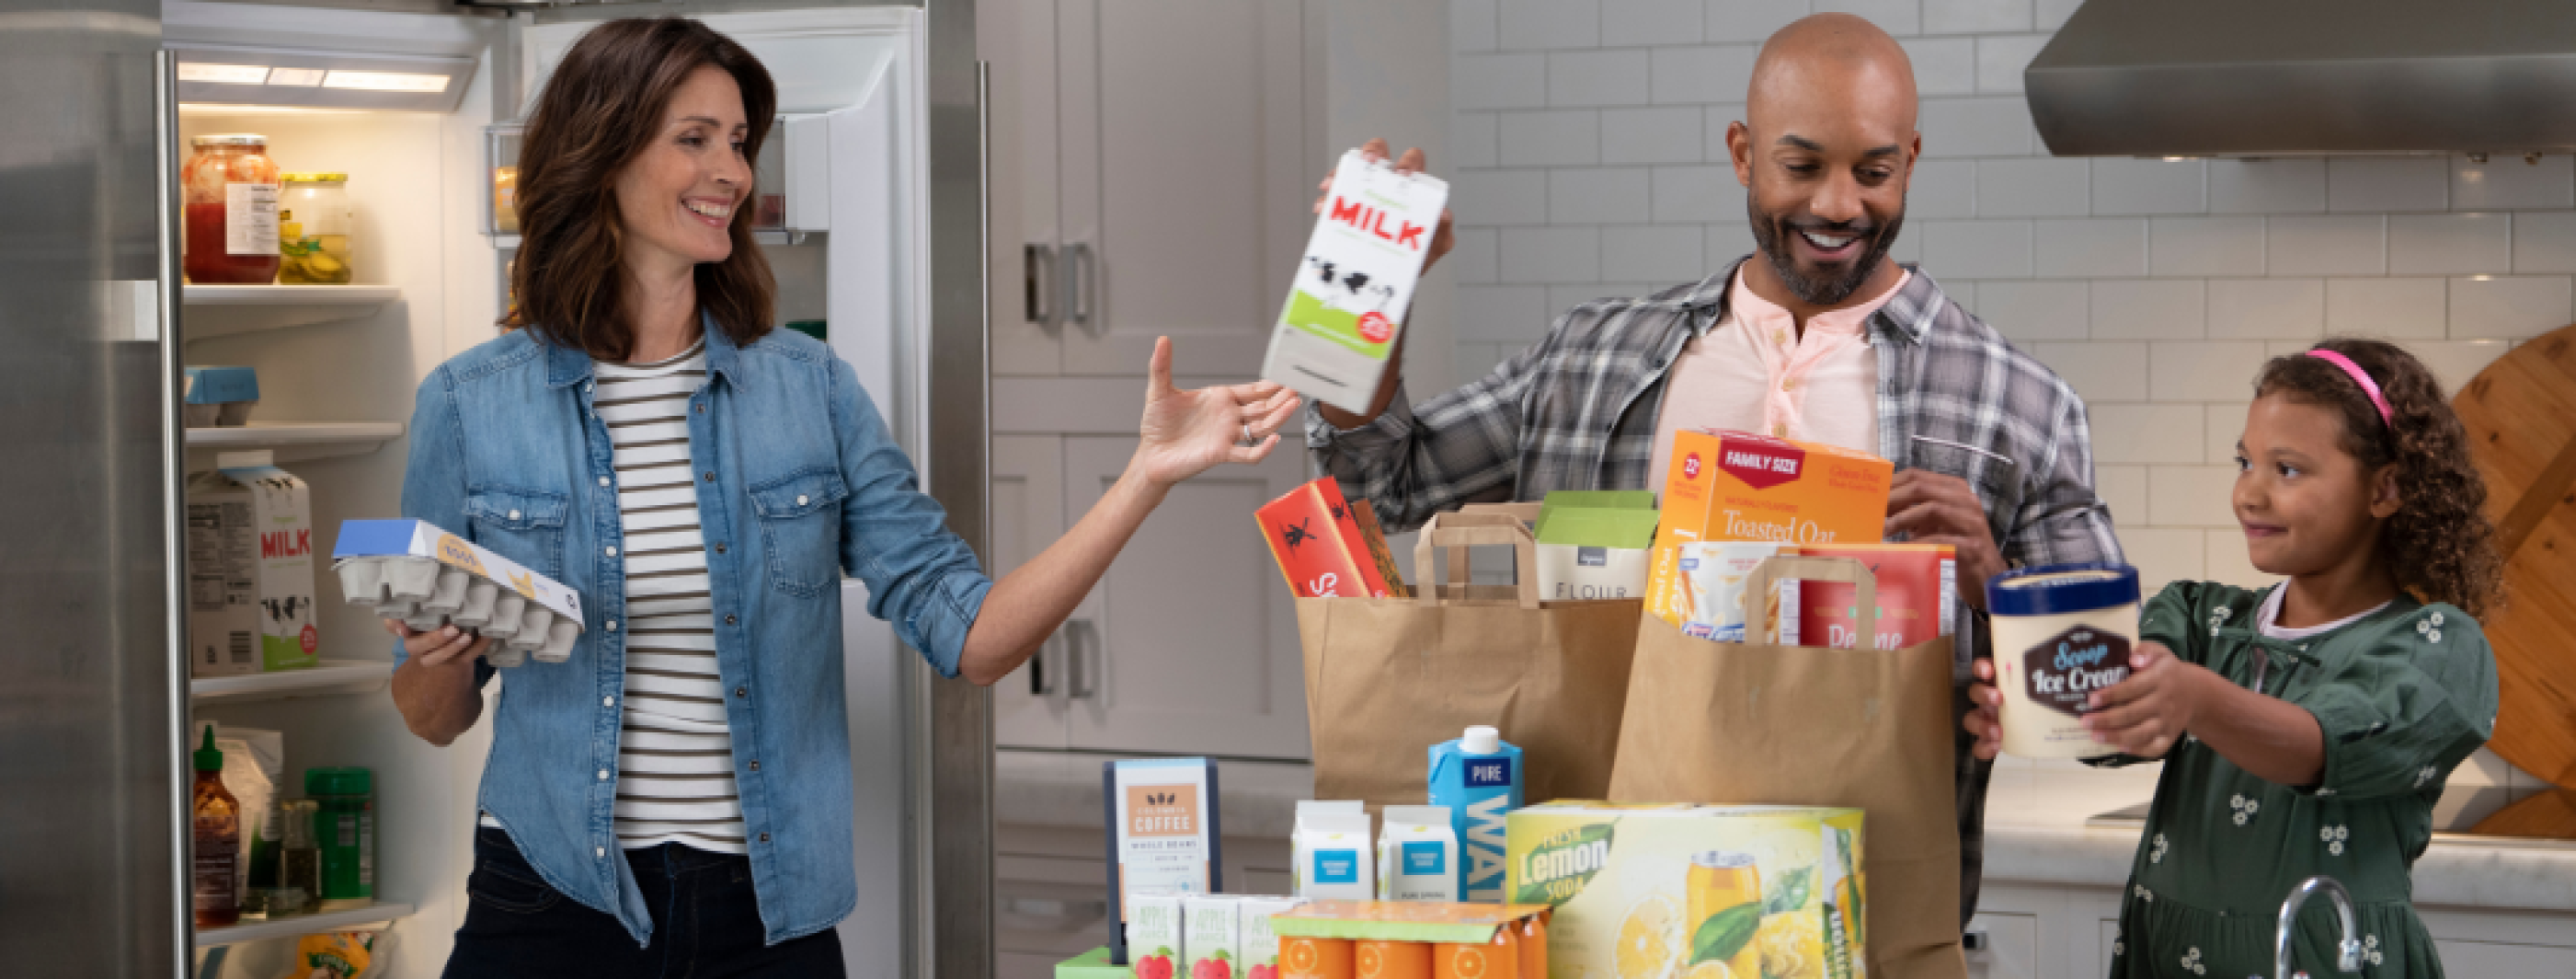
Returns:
(214,311)
(292,441)
(328,678)
(302,924)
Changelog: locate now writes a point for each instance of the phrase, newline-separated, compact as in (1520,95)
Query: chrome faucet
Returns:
(2347,951)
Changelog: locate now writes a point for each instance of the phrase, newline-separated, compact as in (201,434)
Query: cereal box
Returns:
(1916,583)
(1322,546)
(1739,486)
(1694,892)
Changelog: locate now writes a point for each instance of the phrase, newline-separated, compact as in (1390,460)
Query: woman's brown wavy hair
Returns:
(599,112)
(2438,544)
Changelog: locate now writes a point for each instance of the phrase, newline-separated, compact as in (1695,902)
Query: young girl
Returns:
(2308,728)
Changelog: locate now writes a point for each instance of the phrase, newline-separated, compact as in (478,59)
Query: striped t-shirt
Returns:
(675,749)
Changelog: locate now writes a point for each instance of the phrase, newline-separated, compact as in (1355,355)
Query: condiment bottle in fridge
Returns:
(214,878)
(299,857)
(346,827)
(229,189)
(314,224)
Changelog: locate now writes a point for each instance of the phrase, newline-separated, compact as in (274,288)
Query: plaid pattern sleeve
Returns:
(1462,447)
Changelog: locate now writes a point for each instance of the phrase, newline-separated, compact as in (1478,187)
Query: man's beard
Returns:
(1772,237)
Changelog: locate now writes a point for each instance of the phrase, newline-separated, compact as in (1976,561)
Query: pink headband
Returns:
(2360,377)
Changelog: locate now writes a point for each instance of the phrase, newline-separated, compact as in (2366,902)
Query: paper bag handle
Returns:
(1457,532)
(1757,590)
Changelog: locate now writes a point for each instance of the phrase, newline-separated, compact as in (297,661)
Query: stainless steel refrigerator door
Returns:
(92,880)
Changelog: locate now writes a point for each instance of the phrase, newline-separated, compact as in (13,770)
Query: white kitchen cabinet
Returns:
(1027,500)
(1189,644)
(2011,947)
(2501,959)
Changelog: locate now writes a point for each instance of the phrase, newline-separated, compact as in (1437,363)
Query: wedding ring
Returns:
(1247,434)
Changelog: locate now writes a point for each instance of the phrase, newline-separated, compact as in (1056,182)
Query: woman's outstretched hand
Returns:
(1186,433)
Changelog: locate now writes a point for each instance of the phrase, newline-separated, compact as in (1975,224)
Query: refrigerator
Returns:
(872,199)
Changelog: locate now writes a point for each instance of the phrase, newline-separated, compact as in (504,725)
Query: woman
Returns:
(676,795)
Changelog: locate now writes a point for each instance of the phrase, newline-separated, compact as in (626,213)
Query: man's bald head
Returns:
(1840,61)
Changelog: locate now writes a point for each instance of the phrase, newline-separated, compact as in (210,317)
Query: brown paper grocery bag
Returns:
(1753,724)
(1387,678)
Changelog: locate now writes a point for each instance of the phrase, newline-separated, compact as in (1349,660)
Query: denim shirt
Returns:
(800,482)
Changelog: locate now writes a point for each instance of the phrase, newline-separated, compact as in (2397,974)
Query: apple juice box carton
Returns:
(1355,282)
(1773,891)
(250,568)
(1212,934)
(1258,956)
(1155,941)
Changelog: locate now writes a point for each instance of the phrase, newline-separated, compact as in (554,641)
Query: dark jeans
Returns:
(706,923)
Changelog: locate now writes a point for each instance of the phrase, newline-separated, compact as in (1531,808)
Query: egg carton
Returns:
(427,595)
(428,578)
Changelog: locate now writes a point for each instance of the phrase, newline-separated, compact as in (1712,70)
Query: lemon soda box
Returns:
(1355,282)
(1693,892)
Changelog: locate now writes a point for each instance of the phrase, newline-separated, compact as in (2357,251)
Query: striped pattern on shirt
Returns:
(675,780)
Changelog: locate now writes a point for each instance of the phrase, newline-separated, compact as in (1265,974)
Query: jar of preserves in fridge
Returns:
(229,189)
(313,225)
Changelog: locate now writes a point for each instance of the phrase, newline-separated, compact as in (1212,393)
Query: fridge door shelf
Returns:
(214,311)
(331,677)
(302,924)
(292,441)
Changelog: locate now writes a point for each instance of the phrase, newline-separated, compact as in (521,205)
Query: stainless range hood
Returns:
(2308,77)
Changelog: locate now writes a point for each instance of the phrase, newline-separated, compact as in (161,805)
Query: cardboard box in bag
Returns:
(250,569)
(1594,544)
(1740,486)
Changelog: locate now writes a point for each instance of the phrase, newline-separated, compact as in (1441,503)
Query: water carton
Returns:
(1417,855)
(1478,778)
(1330,855)
(250,569)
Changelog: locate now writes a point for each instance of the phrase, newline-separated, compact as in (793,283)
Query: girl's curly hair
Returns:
(2439,544)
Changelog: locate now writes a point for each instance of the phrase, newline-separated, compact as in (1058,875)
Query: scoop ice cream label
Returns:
(2062,673)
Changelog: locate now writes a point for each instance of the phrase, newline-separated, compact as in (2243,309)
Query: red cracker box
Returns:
(1320,545)
(1741,486)
(1915,585)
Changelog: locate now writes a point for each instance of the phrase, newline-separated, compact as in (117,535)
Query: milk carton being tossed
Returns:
(1478,778)
(1355,282)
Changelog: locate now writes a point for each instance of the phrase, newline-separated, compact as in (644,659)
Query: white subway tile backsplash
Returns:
(2151,309)
(2098,371)
(2505,182)
(2353,244)
(2123,186)
(2000,60)
(1720,118)
(2457,362)
(1551,255)
(2392,308)
(1749,20)
(1662,134)
(1502,313)
(1562,298)
(1955,127)
(1549,25)
(1977,249)
(1697,195)
(1975,16)
(2206,246)
(2033,188)
(2152,434)
(1472,142)
(2449,244)
(1557,137)
(1597,195)
(2089,247)
(1498,81)
(1728,242)
(2191,496)
(1471,25)
(1498,197)
(2404,183)
(2163,555)
(1962,293)
(2267,309)
(1942,189)
(2052,14)
(1661,253)
(1902,18)
(1943,65)
(1474,360)
(1702,75)
(1906,249)
(2293,186)
(1648,22)
(2544,242)
(2200,371)
(2226,424)
(2487,307)
(2226,560)
(2124,490)
(1474,257)
(1594,78)
(2033,311)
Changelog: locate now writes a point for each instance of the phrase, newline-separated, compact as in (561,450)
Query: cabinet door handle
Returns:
(1082,643)
(1041,682)
(1081,286)
(1038,263)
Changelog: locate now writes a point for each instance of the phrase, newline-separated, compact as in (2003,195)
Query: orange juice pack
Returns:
(1329,547)
(1915,585)
(1739,486)
(1336,939)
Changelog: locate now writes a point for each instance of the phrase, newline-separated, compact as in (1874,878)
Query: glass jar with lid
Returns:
(313,225)
(229,197)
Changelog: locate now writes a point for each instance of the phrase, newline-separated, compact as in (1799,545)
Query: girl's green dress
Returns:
(2403,695)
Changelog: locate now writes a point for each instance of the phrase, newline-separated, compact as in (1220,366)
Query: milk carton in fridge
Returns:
(250,569)
(1355,282)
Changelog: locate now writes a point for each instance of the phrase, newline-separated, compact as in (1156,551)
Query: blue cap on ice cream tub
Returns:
(2059,589)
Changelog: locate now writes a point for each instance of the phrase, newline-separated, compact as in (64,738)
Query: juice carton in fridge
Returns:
(1478,777)
(1212,930)
(250,568)
(1352,288)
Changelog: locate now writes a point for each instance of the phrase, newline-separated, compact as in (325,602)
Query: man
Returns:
(1817,337)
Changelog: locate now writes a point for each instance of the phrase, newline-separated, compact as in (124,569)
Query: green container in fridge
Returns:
(345,826)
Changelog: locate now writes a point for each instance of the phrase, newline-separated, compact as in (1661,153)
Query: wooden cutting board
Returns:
(2521,417)
(2550,815)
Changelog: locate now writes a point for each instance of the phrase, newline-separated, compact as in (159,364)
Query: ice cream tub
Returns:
(2061,633)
